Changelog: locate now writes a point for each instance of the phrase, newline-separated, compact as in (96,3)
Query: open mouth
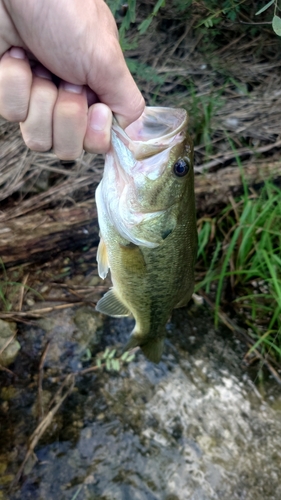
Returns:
(157,124)
(155,130)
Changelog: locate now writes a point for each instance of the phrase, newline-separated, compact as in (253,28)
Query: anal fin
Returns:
(111,305)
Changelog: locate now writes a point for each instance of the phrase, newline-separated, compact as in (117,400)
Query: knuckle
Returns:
(13,114)
(67,155)
(34,139)
(38,145)
(70,110)
(45,95)
(13,108)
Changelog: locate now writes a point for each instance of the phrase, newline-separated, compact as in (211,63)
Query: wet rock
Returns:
(70,333)
(88,322)
(194,427)
(8,350)
(47,323)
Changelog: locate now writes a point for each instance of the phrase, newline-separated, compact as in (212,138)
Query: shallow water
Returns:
(193,427)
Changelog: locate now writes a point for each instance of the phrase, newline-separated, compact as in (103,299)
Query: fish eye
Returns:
(181,167)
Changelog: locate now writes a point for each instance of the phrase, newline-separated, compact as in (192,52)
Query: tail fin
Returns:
(153,349)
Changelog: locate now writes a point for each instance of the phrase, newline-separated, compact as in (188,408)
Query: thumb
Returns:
(115,86)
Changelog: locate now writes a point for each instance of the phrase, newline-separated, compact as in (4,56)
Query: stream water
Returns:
(196,426)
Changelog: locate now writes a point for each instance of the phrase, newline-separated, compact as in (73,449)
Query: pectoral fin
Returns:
(102,259)
(111,305)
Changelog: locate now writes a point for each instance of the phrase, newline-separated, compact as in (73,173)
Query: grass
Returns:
(11,292)
(6,286)
(241,250)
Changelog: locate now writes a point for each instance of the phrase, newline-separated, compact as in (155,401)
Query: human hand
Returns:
(78,43)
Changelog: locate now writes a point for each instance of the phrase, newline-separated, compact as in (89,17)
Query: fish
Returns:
(147,220)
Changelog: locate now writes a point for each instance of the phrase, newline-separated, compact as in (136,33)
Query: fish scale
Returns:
(148,224)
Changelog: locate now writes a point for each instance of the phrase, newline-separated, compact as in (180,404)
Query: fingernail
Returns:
(71,87)
(99,117)
(17,53)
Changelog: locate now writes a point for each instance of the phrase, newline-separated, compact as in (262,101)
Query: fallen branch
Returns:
(43,235)
(38,313)
(220,159)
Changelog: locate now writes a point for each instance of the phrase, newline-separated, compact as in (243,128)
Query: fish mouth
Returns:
(154,131)
(157,123)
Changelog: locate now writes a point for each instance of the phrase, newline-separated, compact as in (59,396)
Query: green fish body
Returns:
(146,212)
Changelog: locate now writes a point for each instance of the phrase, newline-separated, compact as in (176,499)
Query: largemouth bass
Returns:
(146,213)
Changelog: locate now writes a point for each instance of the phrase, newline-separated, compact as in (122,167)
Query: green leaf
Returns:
(145,25)
(87,355)
(106,353)
(159,4)
(115,365)
(264,7)
(276,25)
(144,71)
(130,358)
(111,354)
(208,22)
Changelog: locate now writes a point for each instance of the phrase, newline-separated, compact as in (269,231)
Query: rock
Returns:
(8,350)
(87,321)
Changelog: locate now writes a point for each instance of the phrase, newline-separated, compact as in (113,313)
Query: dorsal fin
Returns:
(111,305)
(102,259)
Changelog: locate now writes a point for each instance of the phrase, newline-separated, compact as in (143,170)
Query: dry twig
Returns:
(36,313)
(40,380)
(21,291)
